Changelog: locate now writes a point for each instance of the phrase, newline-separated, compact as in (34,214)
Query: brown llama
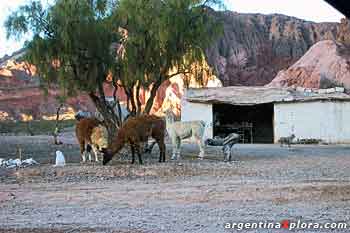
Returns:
(91,134)
(134,131)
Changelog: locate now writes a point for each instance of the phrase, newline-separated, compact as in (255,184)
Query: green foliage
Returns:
(163,35)
(164,38)
(75,41)
(71,43)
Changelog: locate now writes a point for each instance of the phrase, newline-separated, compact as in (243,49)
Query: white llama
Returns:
(178,130)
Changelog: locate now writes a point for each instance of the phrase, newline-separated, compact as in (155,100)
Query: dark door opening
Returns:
(254,123)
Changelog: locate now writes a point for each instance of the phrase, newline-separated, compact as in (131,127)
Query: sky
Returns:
(311,10)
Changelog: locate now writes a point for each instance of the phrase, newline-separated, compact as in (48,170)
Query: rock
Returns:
(340,89)
(322,91)
(28,162)
(21,96)
(326,65)
(13,163)
(330,90)
(255,47)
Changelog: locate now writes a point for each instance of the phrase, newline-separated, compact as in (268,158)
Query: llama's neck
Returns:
(118,143)
(169,118)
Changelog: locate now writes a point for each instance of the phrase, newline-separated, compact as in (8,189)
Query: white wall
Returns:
(198,111)
(326,120)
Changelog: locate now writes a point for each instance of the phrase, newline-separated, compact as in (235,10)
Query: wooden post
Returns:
(20,153)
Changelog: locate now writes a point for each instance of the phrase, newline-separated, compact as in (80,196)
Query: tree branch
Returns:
(138,102)
(117,103)
(155,86)
(177,73)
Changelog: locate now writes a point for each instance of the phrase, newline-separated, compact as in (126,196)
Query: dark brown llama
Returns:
(134,131)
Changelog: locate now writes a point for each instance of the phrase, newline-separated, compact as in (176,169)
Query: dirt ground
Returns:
(266,183)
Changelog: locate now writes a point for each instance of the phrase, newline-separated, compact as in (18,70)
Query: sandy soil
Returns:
(266,183)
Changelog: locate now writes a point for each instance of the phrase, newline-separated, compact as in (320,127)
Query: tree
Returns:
(164,38)
(61,99)
(78,45)
(71,46)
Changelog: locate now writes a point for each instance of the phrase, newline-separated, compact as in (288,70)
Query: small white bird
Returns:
(60,160)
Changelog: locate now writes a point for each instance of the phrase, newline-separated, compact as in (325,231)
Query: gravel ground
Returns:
(266,183)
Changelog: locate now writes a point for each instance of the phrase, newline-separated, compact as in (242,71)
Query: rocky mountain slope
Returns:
(255,47)
(21,97)
(326,64)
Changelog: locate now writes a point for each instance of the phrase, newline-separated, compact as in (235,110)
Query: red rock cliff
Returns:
(326,64)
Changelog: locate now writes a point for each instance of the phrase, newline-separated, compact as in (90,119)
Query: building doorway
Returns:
(253,123)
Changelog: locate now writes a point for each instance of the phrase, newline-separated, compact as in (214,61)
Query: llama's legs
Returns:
(176,145)
(201,148)
(84,156)
(178,152)
(227,152)
(163,150)
(82,151)
(161,146)
(149,148)
(178,148)
(173,156)
(96,152)
(132,153)
(89,150)
(137,149)
(230,154)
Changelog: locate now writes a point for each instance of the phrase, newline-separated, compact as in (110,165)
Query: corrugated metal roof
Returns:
(238,95)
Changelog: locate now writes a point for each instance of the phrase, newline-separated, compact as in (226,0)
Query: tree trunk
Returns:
(153,94)
(110,119)
(131,100)
(117,104)
(128,103)
(57,129)
(138,102)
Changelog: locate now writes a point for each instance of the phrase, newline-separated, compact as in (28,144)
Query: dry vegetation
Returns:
(265,182)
